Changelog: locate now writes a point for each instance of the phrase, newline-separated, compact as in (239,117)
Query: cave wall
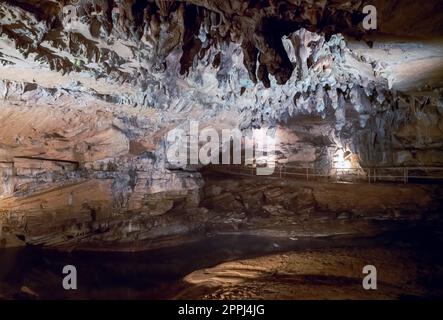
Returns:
(86,101)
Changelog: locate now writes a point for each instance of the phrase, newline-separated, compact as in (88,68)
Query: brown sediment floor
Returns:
(330,273)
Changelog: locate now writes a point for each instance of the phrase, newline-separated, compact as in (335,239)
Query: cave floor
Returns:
(332,274)
(409,266)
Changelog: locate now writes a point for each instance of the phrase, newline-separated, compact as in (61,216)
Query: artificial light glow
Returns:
(341,160)
(265,135)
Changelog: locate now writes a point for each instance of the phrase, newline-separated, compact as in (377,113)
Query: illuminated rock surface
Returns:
(89,90)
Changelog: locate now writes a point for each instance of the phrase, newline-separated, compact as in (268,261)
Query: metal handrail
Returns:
(370,175)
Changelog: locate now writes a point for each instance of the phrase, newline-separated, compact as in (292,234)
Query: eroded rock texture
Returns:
(89,89)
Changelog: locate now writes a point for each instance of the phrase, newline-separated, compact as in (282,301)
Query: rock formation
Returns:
(90,88)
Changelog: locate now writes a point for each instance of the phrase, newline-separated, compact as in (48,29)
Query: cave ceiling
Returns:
(243,63)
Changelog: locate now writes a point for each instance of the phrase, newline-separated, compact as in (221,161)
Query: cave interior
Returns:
(348,120)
